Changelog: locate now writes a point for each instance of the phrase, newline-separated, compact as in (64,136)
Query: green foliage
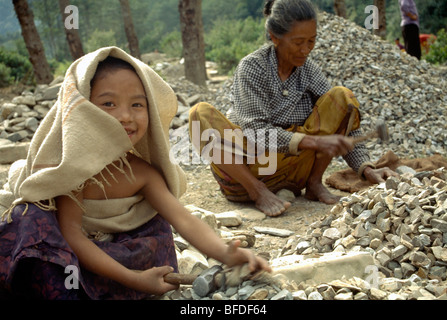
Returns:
(172,44)
(231,40)
(19,66)
(150,41)
(99,39)
(59,67)
(438,50)
(5,75)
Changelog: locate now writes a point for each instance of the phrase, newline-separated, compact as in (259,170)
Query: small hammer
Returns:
(207,281)
(380,132)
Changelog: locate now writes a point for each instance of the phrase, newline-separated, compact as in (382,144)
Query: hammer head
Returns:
(382,131)
(208,281)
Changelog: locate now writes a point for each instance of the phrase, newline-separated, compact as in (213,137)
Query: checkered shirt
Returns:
(260,100)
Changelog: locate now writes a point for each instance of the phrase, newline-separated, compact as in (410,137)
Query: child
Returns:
(93,195)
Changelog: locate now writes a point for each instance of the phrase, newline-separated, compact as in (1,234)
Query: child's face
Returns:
(121,94)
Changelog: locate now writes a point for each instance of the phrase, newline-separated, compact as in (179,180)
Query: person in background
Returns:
(398,44)
(410,27)
(278,89)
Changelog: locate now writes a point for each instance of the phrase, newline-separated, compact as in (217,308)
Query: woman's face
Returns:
(294,47)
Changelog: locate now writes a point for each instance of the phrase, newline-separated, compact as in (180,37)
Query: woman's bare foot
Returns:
(268,202)
(318,192)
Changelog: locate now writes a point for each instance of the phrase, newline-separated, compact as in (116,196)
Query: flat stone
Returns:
(245,292)
(259,294)
(191,262)
(327,268)
(13,151)
(17,136)
(299,295)
(51,92)
(377,294)
(332,233)
(283,295)
(344,296)
(274,231)
(251,214)
(314,295)
(229,219)
(28,100)
(440,253)
(286,195)
(7,109)
(439,224)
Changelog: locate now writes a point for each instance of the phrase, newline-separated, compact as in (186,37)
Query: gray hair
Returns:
(282,14)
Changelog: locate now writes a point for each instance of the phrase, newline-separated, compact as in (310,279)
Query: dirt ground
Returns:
(203,192)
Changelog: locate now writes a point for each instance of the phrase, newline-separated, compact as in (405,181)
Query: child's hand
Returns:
(236,255)
(152,281)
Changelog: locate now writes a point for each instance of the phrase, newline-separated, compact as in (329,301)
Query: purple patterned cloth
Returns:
(34,256)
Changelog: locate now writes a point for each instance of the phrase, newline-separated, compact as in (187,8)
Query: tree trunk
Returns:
(72,35)
(381,5)
(130,30)
(340,8)
(33,43)
(193,43)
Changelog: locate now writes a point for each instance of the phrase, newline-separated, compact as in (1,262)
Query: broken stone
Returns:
(274,231)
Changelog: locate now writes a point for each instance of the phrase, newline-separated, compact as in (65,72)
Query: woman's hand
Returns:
(378,175)
(332,146)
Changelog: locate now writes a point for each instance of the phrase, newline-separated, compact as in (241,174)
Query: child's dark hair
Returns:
(110,64)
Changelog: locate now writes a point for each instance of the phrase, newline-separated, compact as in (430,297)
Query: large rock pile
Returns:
(400,227)
(402,223)
(408,94)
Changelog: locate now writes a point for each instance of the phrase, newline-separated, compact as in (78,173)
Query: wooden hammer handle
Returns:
(179,278)
(369,135)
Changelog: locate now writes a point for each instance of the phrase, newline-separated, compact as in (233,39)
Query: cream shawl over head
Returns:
(77,140)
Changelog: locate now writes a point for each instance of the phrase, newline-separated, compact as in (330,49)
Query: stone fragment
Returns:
(283,295)
(229,219)
(439,224)
(12,152)
(344,296)
(274,231)
(314,295)
(27,100)
(440,253)
(299,295)
(259,294)
(377,294)
(191,262)
(286,195)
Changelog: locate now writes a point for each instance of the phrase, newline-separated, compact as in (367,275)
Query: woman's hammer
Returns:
(380,132)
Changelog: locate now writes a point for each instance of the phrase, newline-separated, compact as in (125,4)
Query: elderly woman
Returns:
(279,90)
